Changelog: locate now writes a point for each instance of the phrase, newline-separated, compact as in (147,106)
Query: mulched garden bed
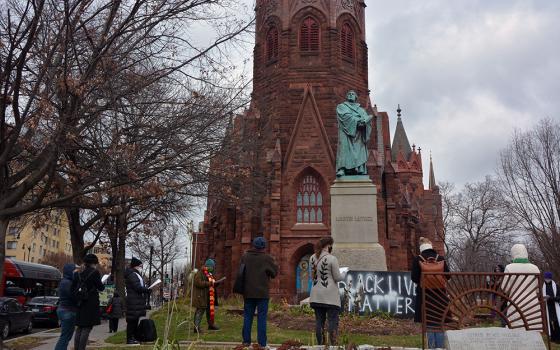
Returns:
(349,324)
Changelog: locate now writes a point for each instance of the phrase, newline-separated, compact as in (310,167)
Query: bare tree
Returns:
(163,237)
(66,66)
(56,259)
(481,227)
(448,200)
(529,174)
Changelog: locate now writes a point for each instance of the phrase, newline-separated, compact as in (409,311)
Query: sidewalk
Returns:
(96,337)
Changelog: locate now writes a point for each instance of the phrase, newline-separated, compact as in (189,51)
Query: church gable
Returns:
(309,143)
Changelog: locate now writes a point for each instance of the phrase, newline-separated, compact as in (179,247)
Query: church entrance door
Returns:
(303,278)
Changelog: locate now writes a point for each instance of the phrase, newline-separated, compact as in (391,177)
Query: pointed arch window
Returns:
(309,201)
(347,41)
(272,44)
(309,35)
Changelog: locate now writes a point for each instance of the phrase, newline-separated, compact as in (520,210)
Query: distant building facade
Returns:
(275,180)
(33,237)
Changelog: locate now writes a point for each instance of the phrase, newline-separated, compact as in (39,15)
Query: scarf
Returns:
(211,292)
(521,261)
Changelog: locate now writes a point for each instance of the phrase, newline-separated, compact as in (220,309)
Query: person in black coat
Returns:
(116,312)
(89,313)
(433,296)
(136,299)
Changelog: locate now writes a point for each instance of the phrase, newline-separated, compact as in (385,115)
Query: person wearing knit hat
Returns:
(434,294)
(89,313)
(136,298)
(259,268)
(204,295)
(552,297)
(259,243)
(135,262)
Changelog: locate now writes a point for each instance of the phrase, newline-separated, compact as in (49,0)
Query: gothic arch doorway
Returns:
(302,271)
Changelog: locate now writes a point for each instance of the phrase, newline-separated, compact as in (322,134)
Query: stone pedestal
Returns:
(354,224)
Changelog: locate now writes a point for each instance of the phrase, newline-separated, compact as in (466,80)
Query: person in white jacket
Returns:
(325,298)
(522,291)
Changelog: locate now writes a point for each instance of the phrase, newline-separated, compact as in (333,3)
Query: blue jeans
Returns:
(67,323)
(435,340)
(248,312)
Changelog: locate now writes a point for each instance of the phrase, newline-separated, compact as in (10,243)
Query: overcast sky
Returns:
(466,73)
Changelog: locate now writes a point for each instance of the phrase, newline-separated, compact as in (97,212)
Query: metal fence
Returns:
(456,300)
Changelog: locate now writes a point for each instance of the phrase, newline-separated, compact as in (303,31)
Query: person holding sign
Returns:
(204,296)
(136,296)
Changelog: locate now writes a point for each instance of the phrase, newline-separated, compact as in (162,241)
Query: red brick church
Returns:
(280,163)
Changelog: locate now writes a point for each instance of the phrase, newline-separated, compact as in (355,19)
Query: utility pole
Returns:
(150,274)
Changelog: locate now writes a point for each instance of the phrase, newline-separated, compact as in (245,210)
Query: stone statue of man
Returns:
(354,131)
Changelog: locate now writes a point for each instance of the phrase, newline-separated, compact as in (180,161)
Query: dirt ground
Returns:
(353,324)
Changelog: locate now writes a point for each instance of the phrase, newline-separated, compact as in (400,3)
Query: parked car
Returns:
(44,309)
(14,318)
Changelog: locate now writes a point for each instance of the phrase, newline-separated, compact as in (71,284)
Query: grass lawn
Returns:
(230,331)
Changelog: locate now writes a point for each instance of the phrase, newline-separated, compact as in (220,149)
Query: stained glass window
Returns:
(309,201)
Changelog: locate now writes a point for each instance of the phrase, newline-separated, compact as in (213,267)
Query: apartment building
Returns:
(35,236)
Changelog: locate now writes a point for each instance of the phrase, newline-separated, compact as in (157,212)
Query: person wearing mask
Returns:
(136,298)
(324,298)
(552,298)
(116,311)
(259,269)
(204,296)
(67,307)
(89,313)
(527,287)
(434,296)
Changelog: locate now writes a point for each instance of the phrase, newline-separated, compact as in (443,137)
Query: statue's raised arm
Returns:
(354,131)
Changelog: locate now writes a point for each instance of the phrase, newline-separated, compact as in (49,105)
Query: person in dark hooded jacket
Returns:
(67,307)
(116,312)
(136,298)
(89,313)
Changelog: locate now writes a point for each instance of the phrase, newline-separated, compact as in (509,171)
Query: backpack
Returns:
(80,290)
(146,331)
(432,265)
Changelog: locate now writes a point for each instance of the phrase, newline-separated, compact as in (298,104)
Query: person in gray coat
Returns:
(325,299)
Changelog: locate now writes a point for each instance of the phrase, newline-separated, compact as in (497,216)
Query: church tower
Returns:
(308,44)
(308,54)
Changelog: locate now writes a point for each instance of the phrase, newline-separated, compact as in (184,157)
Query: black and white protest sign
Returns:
(366,292)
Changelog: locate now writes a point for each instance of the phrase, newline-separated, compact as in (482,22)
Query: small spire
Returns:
(400,140)
(432,184)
